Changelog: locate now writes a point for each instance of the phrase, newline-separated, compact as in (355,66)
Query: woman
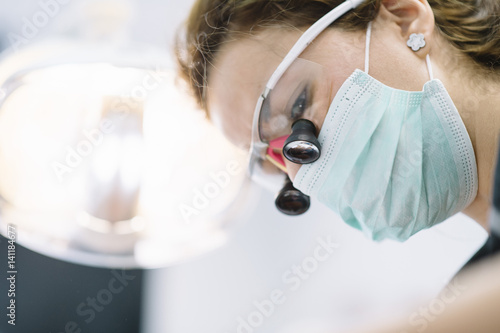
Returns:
(412,150)
(400,150)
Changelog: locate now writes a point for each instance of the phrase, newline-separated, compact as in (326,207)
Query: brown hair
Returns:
(472,26)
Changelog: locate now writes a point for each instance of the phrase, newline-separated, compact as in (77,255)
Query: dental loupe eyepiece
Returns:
(302,147)
(291,201)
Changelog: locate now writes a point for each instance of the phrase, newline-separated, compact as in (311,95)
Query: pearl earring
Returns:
(416,42)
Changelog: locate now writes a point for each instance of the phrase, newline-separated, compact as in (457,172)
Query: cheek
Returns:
(324,96)
(323,99)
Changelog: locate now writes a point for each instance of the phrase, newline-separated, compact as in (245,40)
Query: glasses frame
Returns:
(258,147)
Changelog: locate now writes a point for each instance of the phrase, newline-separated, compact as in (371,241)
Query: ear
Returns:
(407,17)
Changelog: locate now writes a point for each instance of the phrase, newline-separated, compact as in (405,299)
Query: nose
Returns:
(292,169)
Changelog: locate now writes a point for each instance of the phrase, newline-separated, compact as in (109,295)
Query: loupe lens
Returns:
(302,147)
(291,201)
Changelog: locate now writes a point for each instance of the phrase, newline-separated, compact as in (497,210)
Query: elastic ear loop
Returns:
(429,67)
(367,46)
(367,53)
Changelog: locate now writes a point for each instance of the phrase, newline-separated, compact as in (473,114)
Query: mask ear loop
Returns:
(367,53)
(367,46)
(429,67)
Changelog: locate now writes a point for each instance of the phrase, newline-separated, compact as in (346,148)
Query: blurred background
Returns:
(134,215)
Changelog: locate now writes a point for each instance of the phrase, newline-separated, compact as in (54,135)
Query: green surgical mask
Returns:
(393,162)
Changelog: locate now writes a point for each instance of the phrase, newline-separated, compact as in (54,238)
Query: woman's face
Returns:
(243,67)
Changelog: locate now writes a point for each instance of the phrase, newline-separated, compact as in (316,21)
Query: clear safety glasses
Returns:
(288,115)
(303,92)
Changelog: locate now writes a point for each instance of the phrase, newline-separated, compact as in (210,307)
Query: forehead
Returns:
(239,75)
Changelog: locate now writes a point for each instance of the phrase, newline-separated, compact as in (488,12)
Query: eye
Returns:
(300,105)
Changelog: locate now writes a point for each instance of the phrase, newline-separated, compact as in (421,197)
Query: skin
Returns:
(473,309)
(243,66)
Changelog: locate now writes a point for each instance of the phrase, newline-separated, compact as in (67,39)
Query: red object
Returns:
(274,152)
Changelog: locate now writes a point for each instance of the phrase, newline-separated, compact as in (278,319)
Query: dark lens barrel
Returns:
(291,201)
(302,147)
